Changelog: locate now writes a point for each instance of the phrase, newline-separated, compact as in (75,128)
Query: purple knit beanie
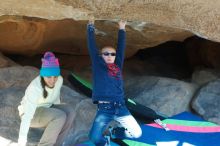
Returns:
(50,65)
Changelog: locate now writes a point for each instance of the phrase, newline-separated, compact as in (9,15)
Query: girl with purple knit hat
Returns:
(41,106)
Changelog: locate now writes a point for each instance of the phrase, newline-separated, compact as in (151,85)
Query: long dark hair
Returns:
(43,84)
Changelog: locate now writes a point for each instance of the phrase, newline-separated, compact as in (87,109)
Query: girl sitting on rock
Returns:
(41,106)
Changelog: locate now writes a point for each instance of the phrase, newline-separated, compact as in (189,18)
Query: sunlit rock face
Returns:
(34,26)
(199,16)
(31,36)
(60,24)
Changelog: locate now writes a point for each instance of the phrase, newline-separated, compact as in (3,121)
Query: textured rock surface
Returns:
(17,76)
(207,102)
(85,113)
(6,62)
(10,121)
(168,96)
(31,35)
(150,23)
(199,16)
(204,76)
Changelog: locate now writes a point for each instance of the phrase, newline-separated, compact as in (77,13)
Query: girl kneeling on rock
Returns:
(108,91)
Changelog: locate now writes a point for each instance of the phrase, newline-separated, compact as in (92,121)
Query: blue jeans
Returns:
(112,111)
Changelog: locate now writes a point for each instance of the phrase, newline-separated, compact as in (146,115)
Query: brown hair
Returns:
(43,84)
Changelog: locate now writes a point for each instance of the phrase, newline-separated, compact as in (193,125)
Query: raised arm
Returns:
(121,44)
(91,42)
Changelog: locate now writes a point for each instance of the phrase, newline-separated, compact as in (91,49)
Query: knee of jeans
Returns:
(134,133)
(137,133)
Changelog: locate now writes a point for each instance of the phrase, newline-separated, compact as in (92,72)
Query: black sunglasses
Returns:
(107,54)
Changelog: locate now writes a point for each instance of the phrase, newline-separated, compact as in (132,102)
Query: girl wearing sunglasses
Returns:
(108,91)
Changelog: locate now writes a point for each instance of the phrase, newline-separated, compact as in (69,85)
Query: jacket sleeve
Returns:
(30,106)
(121,47)
(92,47)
